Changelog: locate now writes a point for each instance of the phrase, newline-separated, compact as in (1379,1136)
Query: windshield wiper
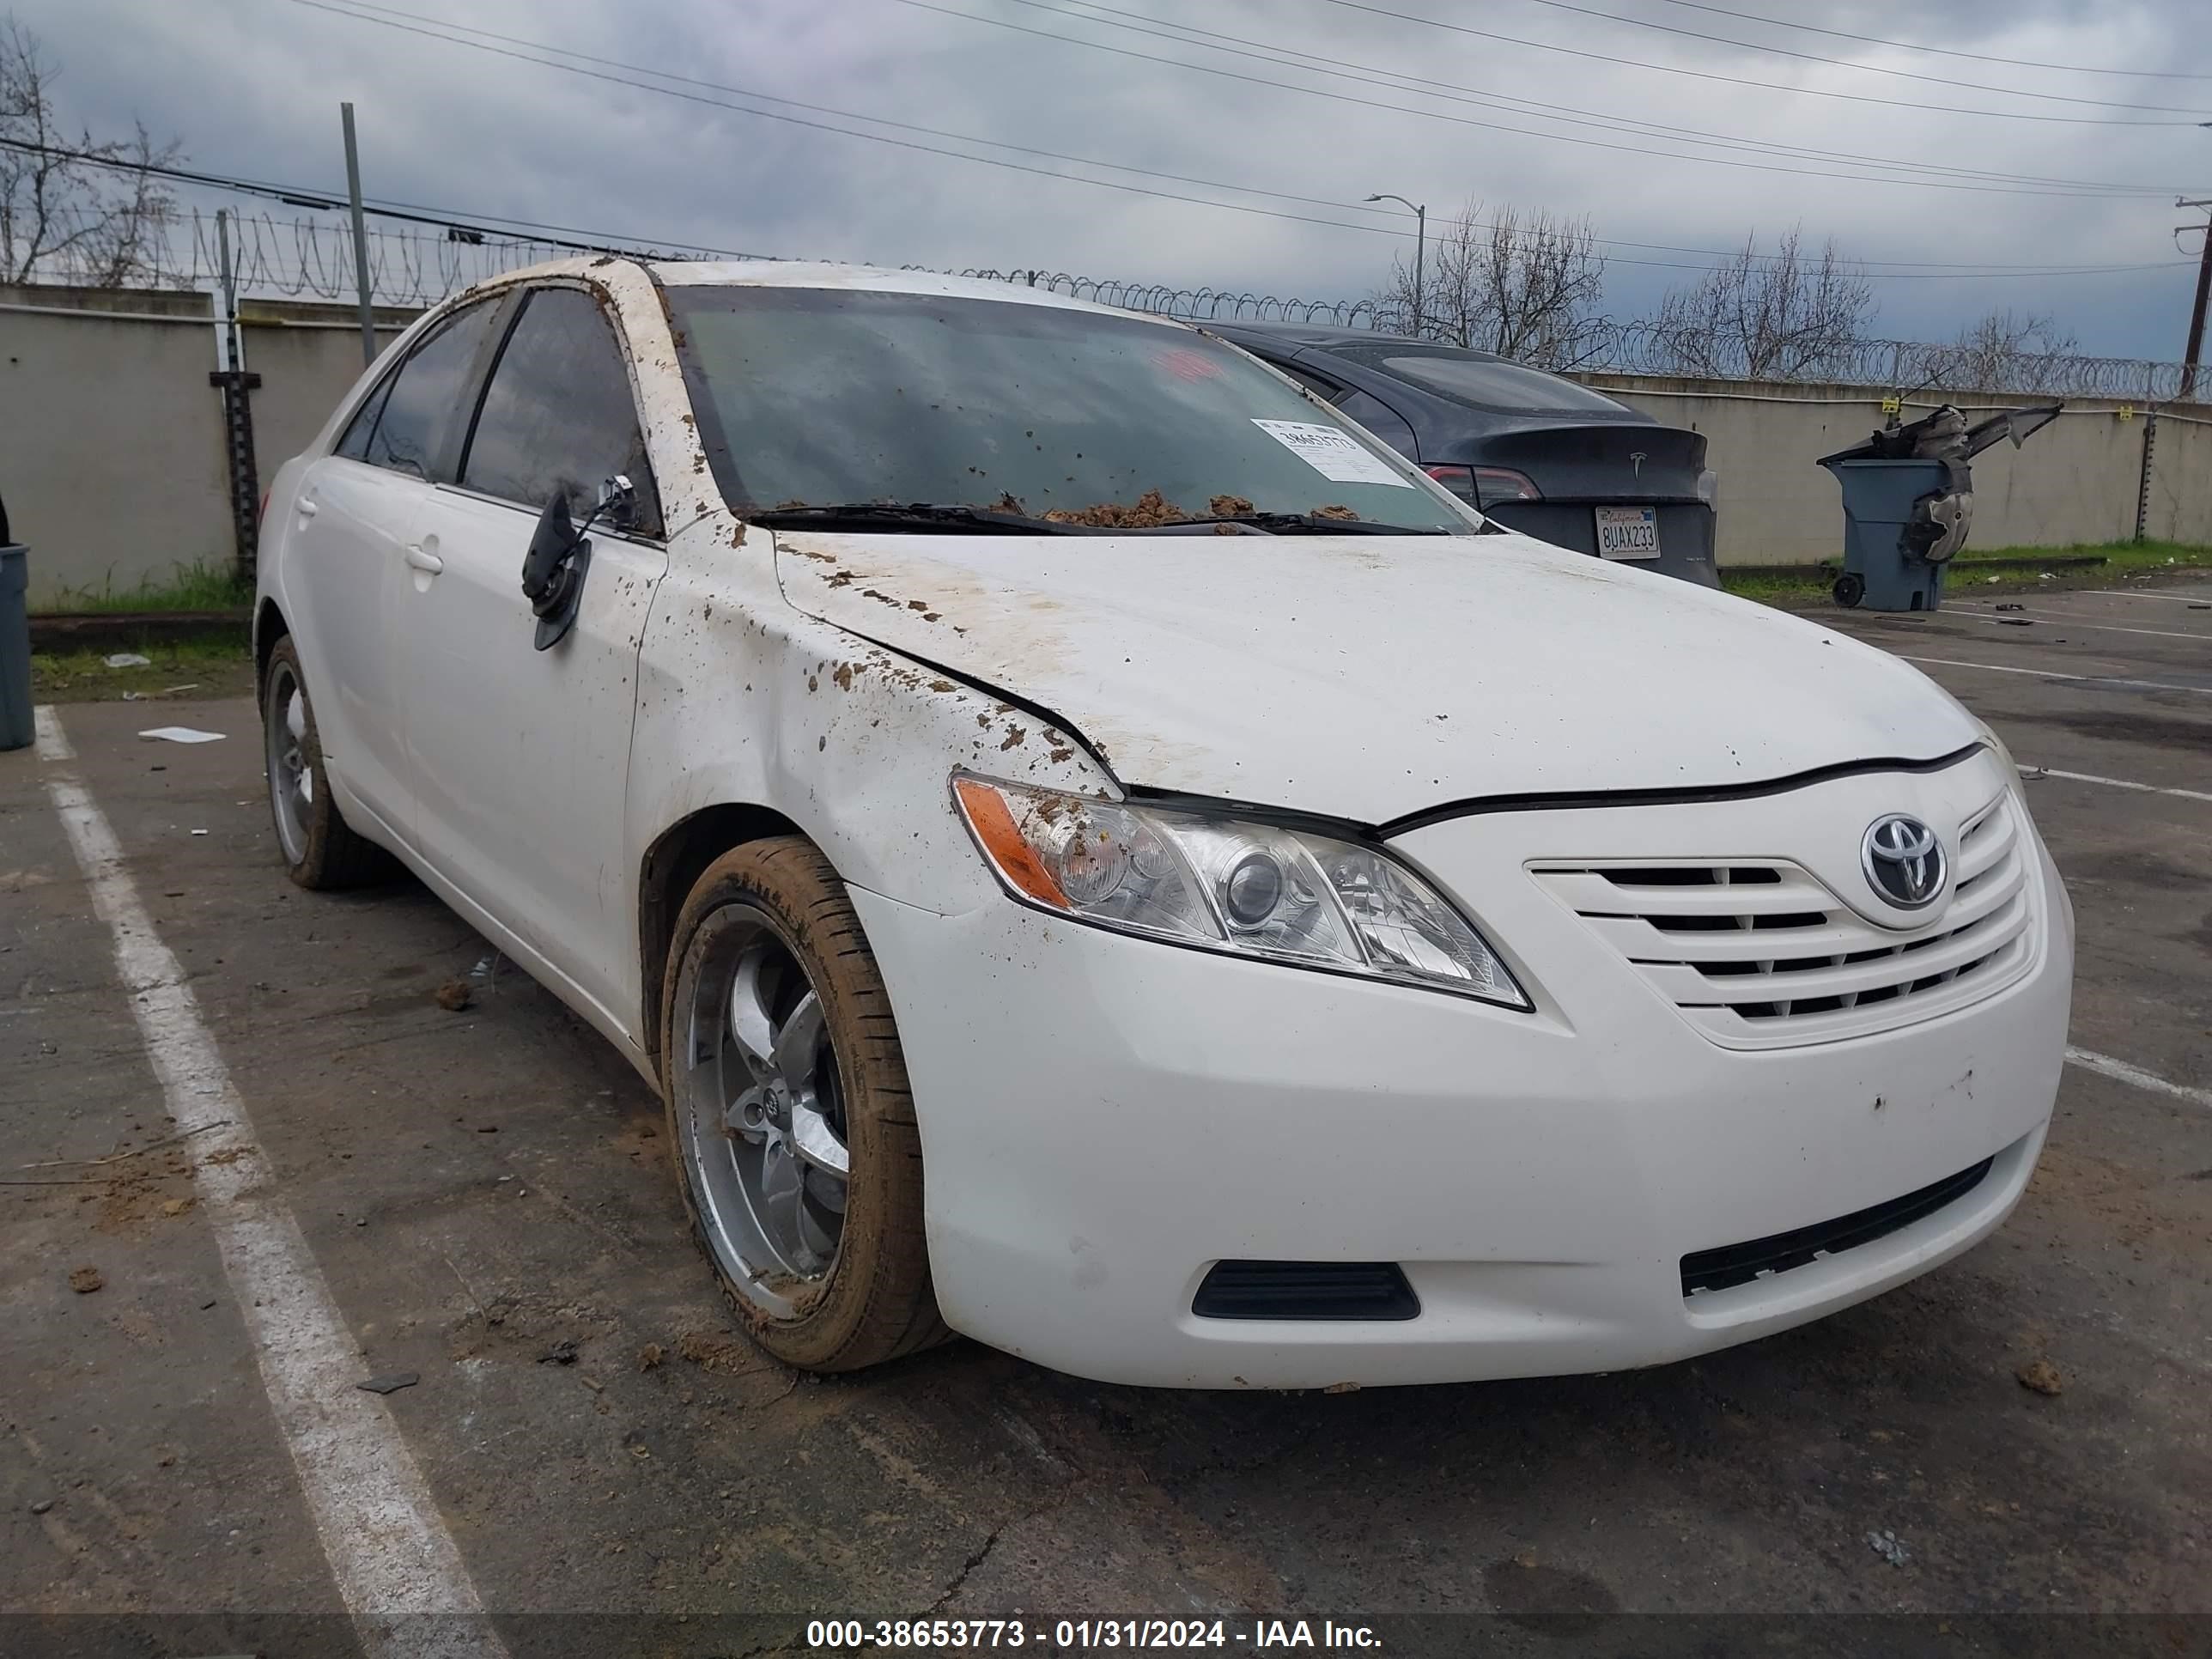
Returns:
(910,515)
(1319,524)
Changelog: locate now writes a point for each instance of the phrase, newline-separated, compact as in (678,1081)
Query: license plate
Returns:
(1628,532)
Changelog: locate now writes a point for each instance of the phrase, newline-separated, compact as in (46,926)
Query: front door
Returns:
(520,756)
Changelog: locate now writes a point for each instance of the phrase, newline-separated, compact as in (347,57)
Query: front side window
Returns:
(429,393)
(557,417)
(831,396)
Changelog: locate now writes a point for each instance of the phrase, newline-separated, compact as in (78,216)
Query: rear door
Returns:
(345,555)
(520,757)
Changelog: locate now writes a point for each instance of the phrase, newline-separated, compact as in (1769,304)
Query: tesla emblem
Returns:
(1903,861)
(1636,462)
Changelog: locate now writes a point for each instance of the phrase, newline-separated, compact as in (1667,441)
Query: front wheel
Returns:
(320,850)
(789,1113)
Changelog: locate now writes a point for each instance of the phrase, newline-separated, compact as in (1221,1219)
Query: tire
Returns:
(768,927)
(320,850)
(1849,589)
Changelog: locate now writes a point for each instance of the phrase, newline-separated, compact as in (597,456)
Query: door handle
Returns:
(308,507)
(423,560)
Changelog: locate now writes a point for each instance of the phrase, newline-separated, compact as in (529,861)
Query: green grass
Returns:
(183,670)
(2121,559)
(192,587)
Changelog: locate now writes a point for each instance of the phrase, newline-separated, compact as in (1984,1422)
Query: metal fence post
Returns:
(359,240)
(234,381)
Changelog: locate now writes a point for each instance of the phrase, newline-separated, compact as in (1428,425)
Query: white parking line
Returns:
(2091,1062)
(2113,783)
(387,1547)
(2073,620)
(2168,599)
(2053,674)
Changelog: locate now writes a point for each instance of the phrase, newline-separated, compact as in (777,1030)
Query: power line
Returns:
(1941,51)
(1868,68)
(1287,57)
(603,74)
(1641,150)
(1738,80)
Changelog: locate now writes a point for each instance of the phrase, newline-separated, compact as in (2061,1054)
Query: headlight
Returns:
(1227,884)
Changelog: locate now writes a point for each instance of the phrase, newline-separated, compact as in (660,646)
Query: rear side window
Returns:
(1485,382)
(558,416)
(411,415)
(354,445)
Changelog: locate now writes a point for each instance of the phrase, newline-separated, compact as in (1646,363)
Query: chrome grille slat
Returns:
(1760,953)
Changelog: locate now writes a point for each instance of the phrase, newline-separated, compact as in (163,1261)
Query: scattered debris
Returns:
(2041,1376)
(85,1281)
(1341,1388)
(1525,1559)
(128,659)
(2015,622)
(176,1206)
(454,995)
(2200,604)
(1229,506)
(1150,511)
(650,1356)
(1335,512)
(563,1352)
(391,1383)
(117,1158)
(1884,1544)
(42,1506)
(2009,605)
(181,734)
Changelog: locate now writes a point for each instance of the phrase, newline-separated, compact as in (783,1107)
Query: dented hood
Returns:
(1367,677)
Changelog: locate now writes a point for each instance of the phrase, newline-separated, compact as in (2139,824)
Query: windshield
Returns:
(1484,380)
(826,397)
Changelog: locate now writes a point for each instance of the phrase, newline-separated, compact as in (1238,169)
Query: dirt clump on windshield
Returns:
(1229,506)
(1151,510)
(1335,513)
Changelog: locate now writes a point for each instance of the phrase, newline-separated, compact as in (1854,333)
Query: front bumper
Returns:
(1104,1118)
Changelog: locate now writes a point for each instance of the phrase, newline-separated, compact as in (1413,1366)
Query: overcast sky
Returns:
(252,88)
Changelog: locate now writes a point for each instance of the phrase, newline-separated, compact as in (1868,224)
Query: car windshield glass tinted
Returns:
(1484,381)
(822,397)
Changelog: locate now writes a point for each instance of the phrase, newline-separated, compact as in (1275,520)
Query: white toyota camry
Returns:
(1100,854)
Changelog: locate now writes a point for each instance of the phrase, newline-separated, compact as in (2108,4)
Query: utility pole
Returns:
(359,240)
(235,380)
(2190,355)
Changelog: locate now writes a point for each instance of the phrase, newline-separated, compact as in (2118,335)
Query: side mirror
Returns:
(617,503)
(553,571)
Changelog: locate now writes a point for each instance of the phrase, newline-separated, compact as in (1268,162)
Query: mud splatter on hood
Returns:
(1369,677)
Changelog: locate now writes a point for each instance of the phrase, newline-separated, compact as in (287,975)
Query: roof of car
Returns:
(819,274)
(1316,334)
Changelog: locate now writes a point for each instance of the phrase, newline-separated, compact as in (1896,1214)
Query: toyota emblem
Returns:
(1903,861)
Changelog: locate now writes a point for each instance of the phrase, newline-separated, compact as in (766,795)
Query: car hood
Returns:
(1370,677)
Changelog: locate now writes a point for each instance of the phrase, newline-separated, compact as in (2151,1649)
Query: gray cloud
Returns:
(252,86)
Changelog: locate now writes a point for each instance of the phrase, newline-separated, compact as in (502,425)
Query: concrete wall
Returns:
(111,450)
(2074,481)
(110,438)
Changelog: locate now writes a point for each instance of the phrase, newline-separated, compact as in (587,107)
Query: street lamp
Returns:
(1420,251)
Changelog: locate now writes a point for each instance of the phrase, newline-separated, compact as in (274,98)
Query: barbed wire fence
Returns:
(304,259)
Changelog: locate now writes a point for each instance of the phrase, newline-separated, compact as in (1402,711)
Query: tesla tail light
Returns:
(1487,486)
(1219,883)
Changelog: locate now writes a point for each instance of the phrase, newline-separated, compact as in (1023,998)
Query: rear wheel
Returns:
(320,850)
(1850,589)
(790,1117)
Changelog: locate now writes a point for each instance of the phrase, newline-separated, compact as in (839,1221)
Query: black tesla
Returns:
(1534,451)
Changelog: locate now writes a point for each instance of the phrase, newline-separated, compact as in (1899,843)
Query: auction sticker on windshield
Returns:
(1333,452)
(1628,532)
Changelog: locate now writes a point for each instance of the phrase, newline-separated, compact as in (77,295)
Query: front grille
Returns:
(1306,1290)
(1778,1253)
(1758,953)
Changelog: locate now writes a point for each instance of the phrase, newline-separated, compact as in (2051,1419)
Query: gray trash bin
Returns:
(1883,569)
(15,727)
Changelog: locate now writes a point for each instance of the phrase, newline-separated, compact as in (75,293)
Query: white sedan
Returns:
(1100,854)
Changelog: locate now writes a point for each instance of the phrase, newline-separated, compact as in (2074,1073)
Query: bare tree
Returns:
(1784,315)
(1523,284)
(63,216)
(2003,352)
